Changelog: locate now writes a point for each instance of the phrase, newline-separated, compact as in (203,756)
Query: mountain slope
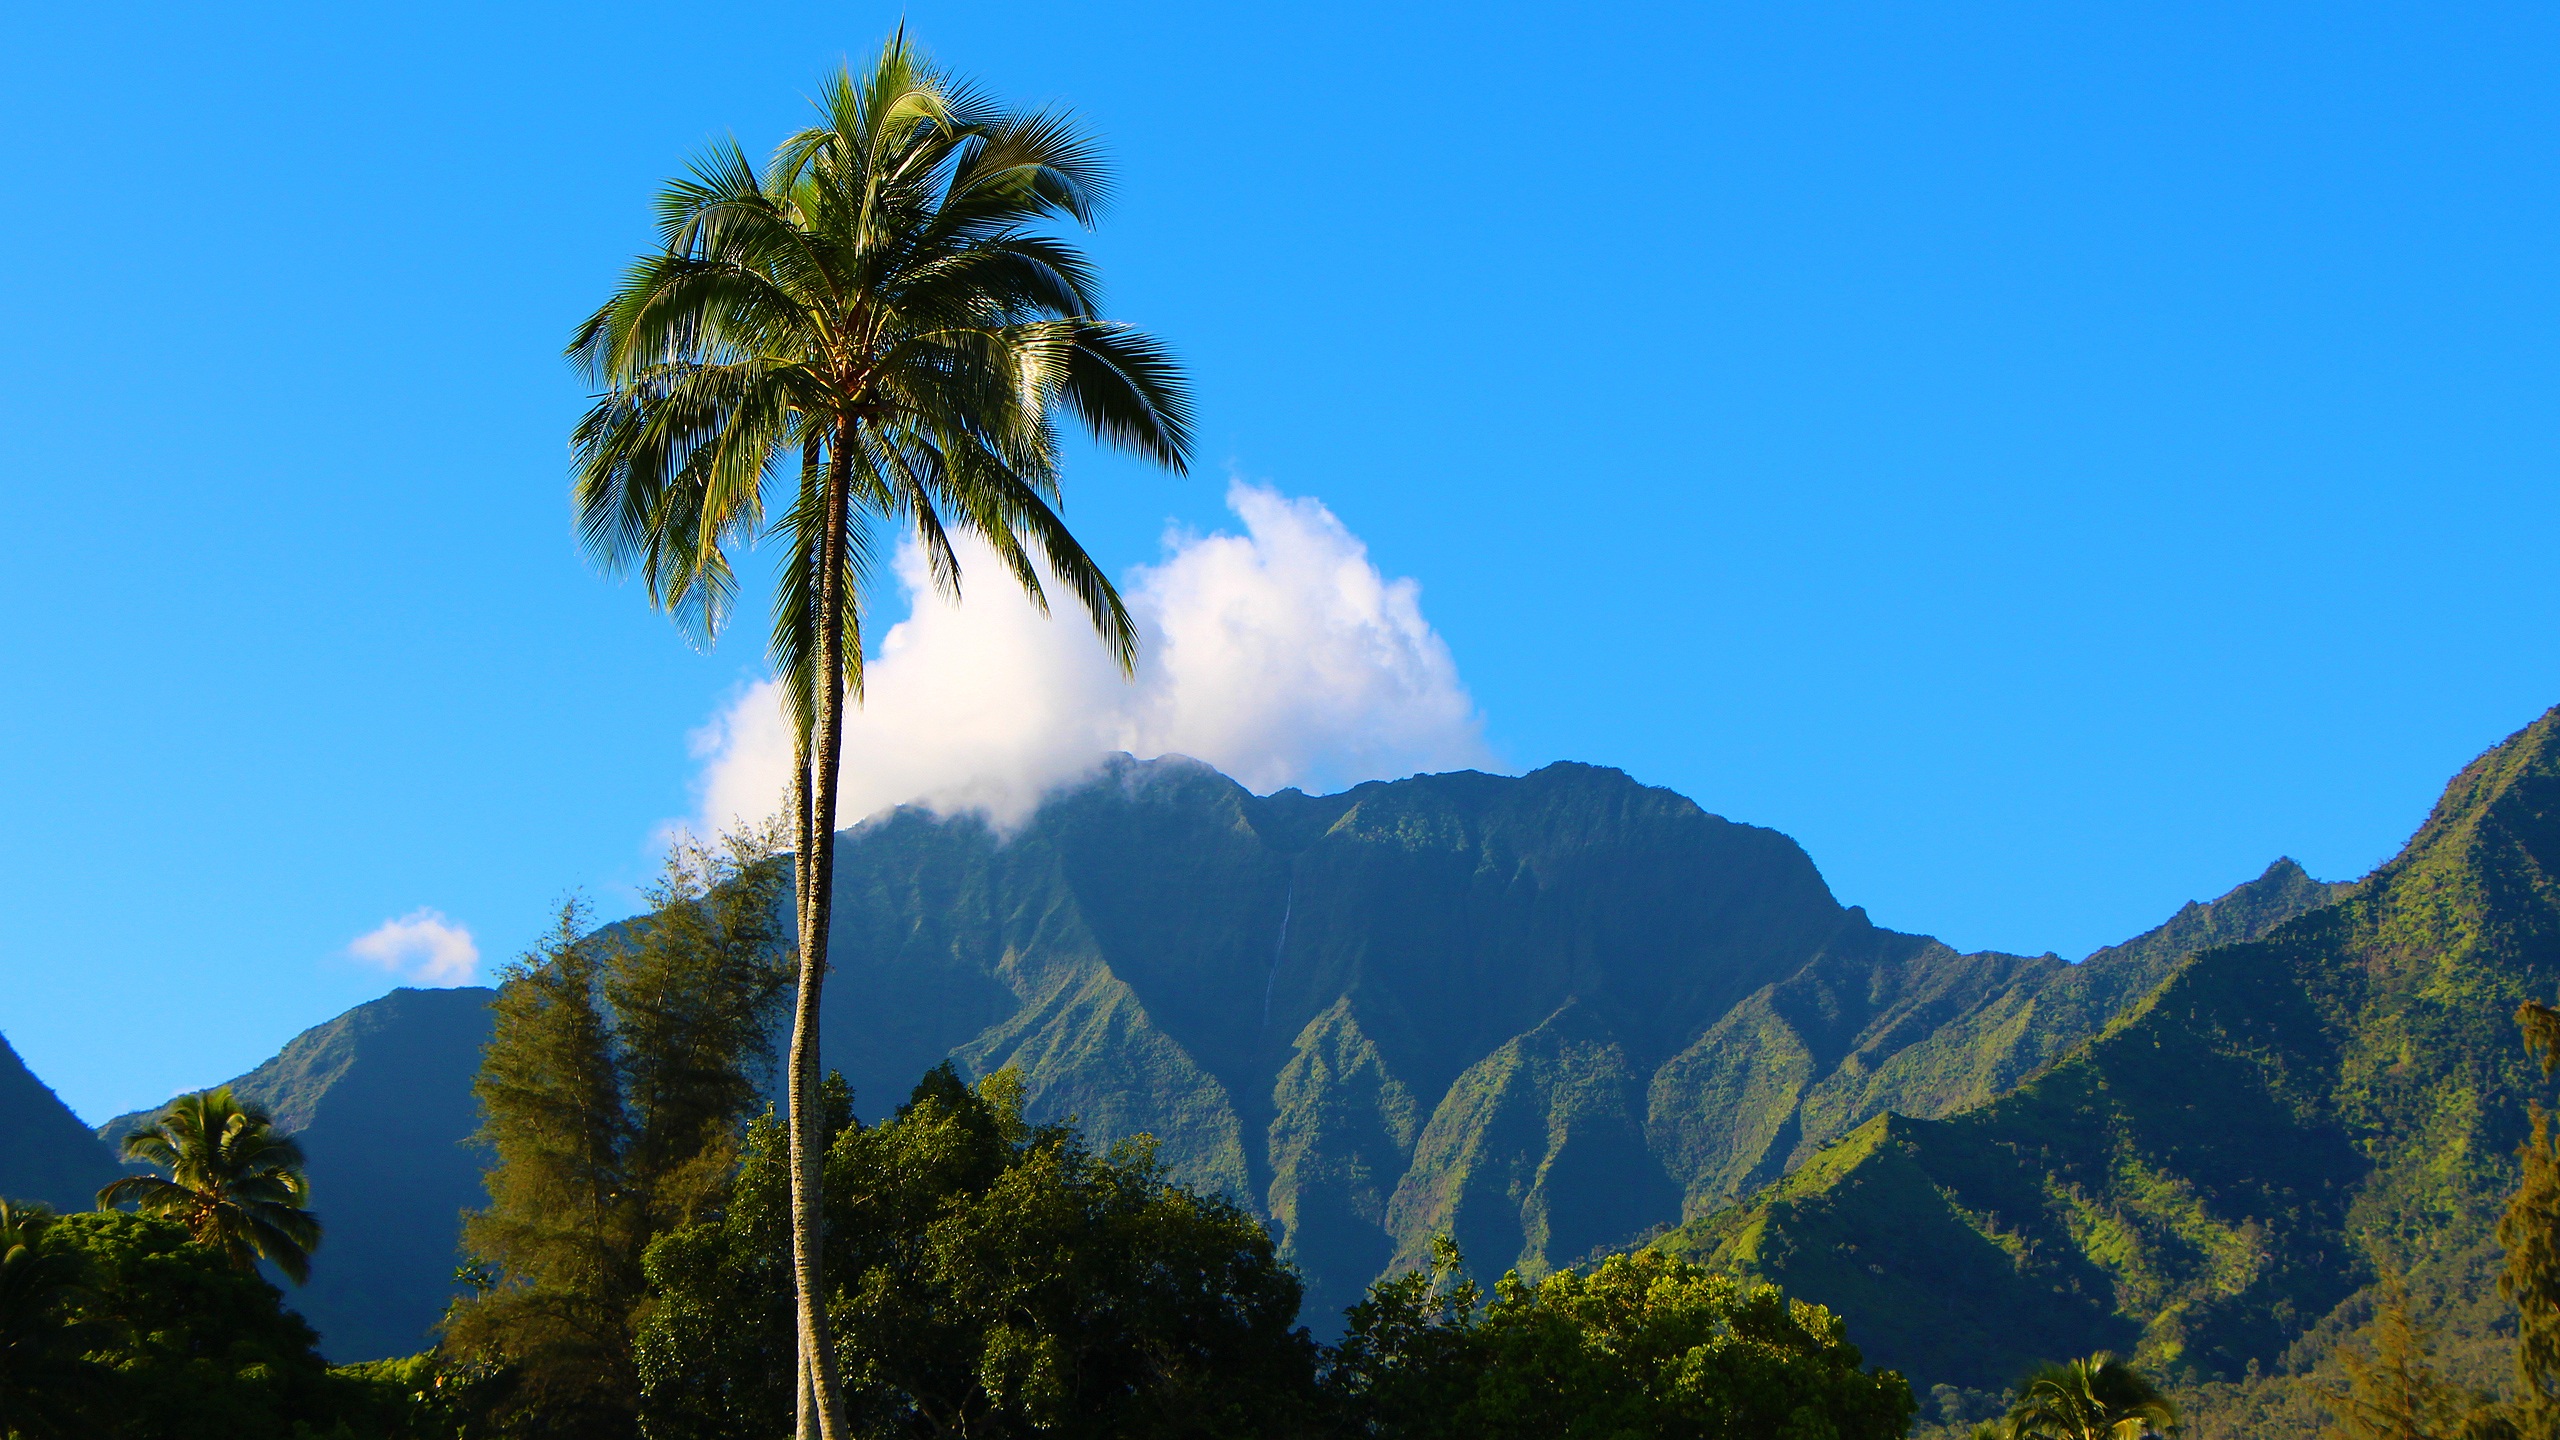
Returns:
(2235,1155)
(380,1099)
(46,1154)
(1548,1014)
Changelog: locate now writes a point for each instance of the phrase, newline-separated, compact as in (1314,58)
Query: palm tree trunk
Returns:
(804,1425)
(817,824)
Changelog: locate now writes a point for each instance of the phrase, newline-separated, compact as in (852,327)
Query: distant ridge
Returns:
(46,1154)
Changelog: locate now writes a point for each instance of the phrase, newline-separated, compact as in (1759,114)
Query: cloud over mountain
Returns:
(422,947)
(1282,656)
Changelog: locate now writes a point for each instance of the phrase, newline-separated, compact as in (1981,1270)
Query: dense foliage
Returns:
(141,1332)
(1379,1069)
(612,1090)
(990,1278)
(1642,1346)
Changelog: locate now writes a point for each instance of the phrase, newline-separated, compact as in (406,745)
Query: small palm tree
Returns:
(43,1376)
(2100,1398)
(233,1181)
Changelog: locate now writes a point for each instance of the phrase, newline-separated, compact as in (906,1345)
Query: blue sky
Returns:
(2049,460)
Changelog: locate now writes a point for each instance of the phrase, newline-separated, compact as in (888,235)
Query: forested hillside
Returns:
(2213,1182)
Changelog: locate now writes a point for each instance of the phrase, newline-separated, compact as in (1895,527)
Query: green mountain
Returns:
(2212,1182)
(46,1154)
(1550,1014)
(380,1099)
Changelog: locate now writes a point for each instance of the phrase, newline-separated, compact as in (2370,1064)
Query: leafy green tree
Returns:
(2393,1390)
(993,1279)
(560,1226)
(234,1181)
(192,1344)
(2097,1398)
(612,1091)
(45,1379)
(1644,1345)
(882,313)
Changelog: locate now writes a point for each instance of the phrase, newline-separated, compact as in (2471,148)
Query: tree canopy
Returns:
(992,1278)
(1644,1345)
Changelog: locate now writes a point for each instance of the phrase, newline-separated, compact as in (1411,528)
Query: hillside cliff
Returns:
(2213,1182)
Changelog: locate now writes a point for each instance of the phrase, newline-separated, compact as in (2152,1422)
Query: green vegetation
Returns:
(1642,1346)
(127,1326)
(613,1087)
(882,309)
(45,1374)
(2215,1182)
(1546,1014)
(2393,1391)
(990,1278)
(380,1101)
(235,1182)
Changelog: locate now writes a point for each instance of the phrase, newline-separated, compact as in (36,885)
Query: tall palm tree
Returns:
(879,320)
(43,1376)
(234,1181)
(2099,1398)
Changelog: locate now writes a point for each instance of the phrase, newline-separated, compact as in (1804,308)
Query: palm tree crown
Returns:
(879,305)
(233,1181)
(2099,1398)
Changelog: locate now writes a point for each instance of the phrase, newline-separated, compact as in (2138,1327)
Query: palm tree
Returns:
(2100,1398)
(233,1181)
(43,1376)
(880,317)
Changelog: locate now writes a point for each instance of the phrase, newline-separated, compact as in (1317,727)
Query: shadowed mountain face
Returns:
(2236,1156)
(1549,1014)
(380,1099)
(46,1154)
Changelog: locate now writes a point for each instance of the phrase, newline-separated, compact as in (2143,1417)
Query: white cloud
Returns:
(422,947)
(1281,656)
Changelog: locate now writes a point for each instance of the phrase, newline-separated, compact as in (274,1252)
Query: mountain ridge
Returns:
(2237,1156)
